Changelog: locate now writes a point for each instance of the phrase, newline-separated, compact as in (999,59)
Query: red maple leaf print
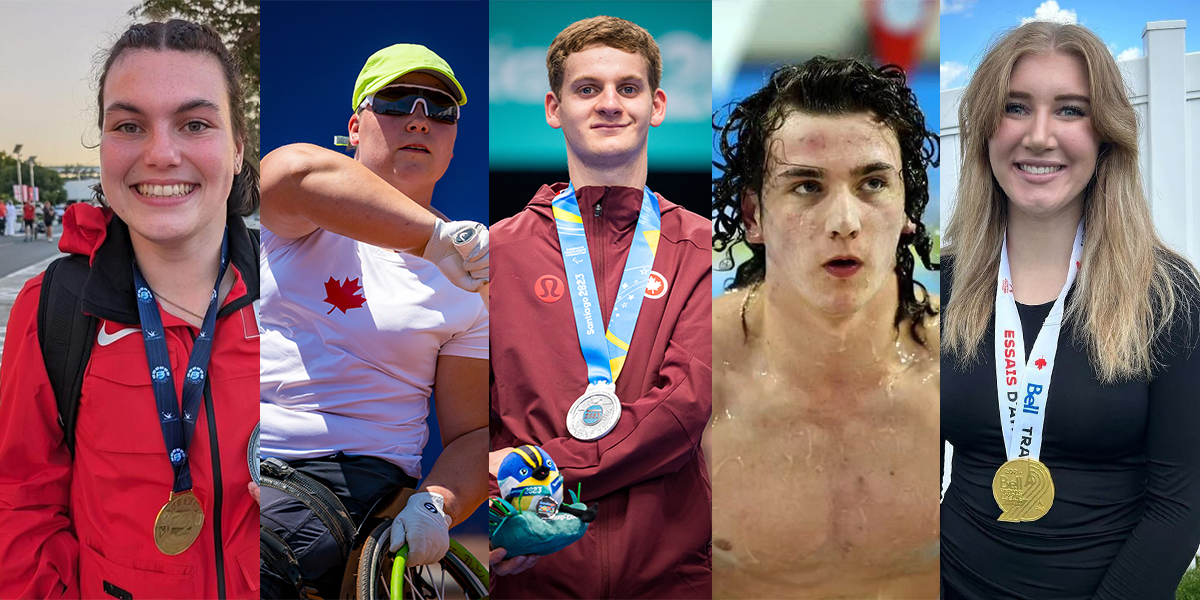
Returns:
(1039,363)
(343,296)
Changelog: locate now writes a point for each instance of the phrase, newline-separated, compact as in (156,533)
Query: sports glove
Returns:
(460,251)
(425,526)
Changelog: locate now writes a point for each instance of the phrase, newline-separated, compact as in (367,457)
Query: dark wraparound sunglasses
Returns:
(403,100)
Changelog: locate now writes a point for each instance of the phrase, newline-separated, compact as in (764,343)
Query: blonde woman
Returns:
(1072,389)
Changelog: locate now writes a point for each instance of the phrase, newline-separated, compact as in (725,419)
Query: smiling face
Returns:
(832,210)
(411,151)
(1043,153)
(167,148)
(606,107)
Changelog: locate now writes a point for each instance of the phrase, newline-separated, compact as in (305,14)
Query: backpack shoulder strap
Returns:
(66,336)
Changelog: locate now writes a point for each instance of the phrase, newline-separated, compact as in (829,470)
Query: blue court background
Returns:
(311,55)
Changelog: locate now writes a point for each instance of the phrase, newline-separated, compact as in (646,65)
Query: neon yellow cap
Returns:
(401,59)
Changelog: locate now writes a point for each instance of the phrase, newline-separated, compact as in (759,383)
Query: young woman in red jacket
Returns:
(149,497)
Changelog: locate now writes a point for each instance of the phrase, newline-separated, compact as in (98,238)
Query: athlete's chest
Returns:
(815,492)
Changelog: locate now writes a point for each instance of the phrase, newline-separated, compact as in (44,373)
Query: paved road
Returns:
(19,260)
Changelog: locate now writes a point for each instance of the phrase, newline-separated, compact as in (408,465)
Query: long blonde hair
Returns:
(1127,293)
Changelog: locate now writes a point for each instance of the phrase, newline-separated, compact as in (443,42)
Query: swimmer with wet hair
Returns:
(825,425)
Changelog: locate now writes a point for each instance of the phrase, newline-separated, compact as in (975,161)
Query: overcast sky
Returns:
(48,51)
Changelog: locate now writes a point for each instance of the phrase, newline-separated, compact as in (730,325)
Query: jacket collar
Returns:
(621,205)
(109,290)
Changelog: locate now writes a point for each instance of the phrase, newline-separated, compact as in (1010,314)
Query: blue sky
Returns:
(969,25)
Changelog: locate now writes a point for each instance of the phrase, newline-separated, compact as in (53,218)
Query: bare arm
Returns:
(461,401)
(306,187)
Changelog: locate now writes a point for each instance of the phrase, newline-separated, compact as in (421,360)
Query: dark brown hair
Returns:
(186,36)
(825,86)
(606,31)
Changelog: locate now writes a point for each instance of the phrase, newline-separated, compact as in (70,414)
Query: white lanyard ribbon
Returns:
(1022,392)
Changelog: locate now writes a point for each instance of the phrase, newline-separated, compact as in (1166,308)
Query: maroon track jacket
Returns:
(649,476)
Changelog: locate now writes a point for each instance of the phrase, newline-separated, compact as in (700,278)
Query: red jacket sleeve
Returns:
(38,548)
(661,431)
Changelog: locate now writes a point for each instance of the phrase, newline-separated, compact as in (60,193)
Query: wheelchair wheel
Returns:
(457,575)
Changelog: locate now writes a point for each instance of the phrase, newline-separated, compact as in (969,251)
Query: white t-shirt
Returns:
(351,335)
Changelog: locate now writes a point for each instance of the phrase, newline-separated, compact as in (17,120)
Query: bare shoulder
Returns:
(728,346)
(727,320)
(930,327)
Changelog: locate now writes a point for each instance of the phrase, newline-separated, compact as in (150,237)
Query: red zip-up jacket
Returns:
(83,528)
(648,475)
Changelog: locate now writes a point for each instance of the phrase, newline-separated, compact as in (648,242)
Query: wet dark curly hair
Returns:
(824,86)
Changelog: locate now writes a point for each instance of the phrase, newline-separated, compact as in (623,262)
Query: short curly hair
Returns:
(824,86)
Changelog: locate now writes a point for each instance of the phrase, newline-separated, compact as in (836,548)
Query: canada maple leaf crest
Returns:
(1039,363)
(343,296)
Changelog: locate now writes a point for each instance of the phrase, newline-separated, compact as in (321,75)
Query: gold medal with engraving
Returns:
(1023,489)
(178,523)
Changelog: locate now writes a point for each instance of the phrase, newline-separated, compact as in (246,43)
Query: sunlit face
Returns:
(606,107)
(167,149)
(832,210)
(409,151)
(1044,152)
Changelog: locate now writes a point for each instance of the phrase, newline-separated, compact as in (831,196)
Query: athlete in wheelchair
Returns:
(368,307)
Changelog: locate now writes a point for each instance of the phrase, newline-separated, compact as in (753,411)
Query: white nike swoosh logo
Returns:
(106,338)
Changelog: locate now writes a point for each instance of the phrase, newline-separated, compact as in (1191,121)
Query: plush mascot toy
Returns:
(529,481)
(530,517)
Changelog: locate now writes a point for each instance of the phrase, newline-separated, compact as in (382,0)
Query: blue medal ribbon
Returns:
(605,351)
(178,423)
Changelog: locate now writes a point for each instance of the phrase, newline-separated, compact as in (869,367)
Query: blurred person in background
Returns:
(28,211)
(48,219)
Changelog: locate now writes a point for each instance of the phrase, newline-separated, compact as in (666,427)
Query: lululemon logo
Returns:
(549,288)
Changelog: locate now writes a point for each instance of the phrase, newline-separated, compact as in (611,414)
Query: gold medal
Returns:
(178,523)
(1023,489)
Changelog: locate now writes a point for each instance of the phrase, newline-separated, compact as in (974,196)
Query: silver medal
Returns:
(252,456)
(595,413)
